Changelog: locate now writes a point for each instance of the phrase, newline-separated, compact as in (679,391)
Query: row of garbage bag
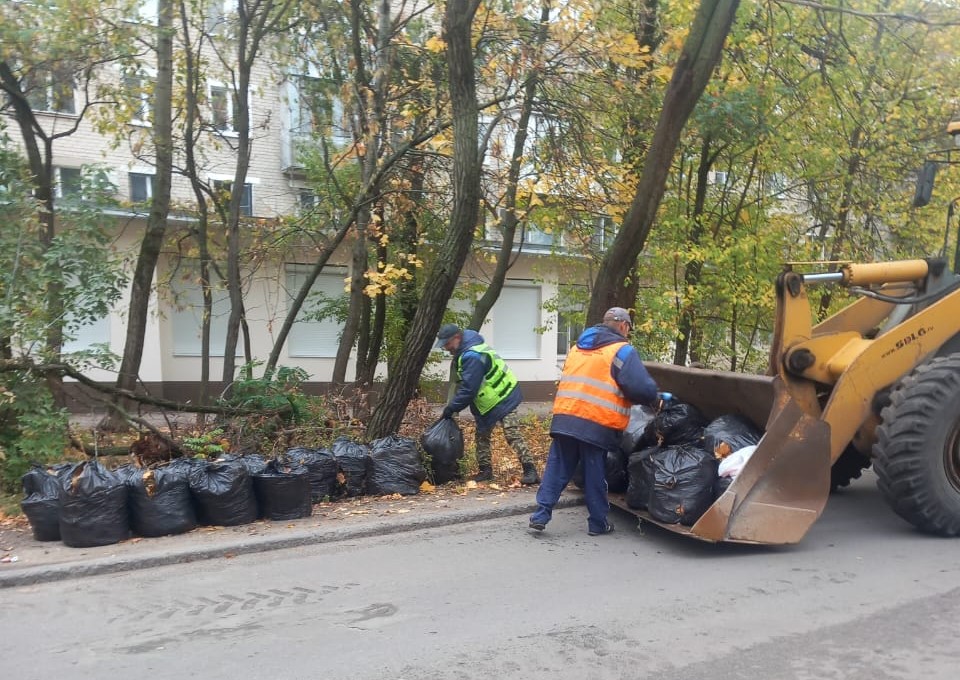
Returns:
(670,462)
(85,504)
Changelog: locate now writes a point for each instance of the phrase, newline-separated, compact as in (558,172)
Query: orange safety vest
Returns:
(587,390)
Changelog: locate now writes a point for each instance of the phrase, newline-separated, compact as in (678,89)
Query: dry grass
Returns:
(506,465)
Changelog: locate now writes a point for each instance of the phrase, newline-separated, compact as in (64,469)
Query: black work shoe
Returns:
(537,526)
(606,530)
(484,475)
(530,475)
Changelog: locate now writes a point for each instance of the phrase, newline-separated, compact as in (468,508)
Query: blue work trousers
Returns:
(565,453)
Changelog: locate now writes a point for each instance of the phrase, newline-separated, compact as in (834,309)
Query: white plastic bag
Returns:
(732,464)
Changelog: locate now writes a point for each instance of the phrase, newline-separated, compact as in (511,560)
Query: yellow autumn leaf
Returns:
(435,44)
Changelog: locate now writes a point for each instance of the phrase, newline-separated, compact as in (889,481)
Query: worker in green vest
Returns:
(490,389)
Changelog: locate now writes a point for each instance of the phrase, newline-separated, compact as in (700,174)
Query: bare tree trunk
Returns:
(508,225)
(256,21)
(406,298)
(701,53)
(358,268)
(691,274)
(439,285)
(39,149)
(142,283)
(193,82)
(372,325)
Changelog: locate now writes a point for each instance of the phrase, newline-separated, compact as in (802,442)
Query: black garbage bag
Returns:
(443,442)
(679,423)
(41,502)
(353,467)
(254,462)
(283,490)
(397,467)
(615,470)
(730,433)
(160,500)
(638,479)
(93,507)
(640,431)
(223,491)
(721,486)
(321,470)
(683,479)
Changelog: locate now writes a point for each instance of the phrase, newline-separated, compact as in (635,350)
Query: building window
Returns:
(69,182)
(534,236)
(224,190)
(308,200)
(50,91)
(316,332)
(87,335)
(516,318)
(139,91)
(717,177)
(219,13)
(223,106)
(142,12)
(141,187)
(317,108)
(604,233)
(569,328)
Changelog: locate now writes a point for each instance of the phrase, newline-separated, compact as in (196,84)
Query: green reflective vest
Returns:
(497,384)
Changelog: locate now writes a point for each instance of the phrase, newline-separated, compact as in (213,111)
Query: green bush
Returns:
(32,429)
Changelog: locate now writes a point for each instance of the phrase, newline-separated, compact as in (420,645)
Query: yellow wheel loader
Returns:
(879,381)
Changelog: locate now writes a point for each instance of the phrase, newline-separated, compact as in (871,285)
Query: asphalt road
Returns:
(862,597)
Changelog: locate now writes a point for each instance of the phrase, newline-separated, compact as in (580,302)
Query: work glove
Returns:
(664,400)
(447,412)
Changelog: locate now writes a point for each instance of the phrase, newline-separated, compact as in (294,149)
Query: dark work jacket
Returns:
(474,366)
(631,376)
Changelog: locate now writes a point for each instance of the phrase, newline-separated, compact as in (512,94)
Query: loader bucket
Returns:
(784,486)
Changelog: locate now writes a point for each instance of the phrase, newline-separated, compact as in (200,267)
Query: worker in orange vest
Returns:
(602,377)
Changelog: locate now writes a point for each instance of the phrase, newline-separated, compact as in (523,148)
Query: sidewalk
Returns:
(40,562)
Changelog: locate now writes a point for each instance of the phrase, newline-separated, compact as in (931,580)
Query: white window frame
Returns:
(217,182)
(218,13)
(562,311)
(145,12)
(49,88)
(231,114)
(144,82)
(151,179)
(59,183)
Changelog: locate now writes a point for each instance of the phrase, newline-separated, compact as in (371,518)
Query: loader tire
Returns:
(848,467)
(917,452)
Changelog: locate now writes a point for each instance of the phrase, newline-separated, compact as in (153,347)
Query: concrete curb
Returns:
(154,558)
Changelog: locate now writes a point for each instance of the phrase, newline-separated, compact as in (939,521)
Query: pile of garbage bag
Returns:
(86,504)
(677,462)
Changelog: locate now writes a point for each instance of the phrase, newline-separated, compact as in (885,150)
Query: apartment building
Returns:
(525,331)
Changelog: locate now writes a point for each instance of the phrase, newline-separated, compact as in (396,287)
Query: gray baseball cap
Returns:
(447,331)
(617,314)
